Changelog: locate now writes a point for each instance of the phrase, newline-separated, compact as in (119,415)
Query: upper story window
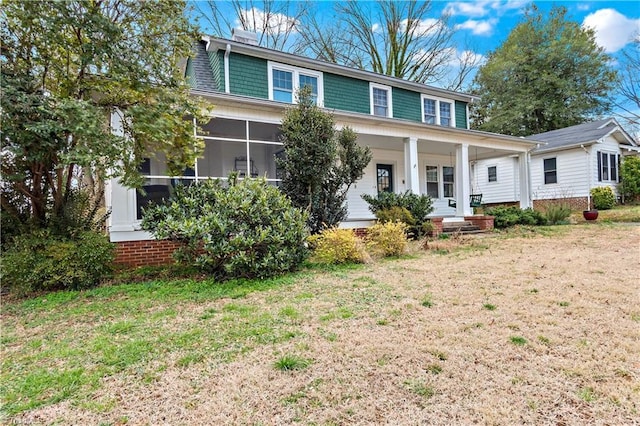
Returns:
(381,104)
(285,81)
(438,111)
(550,171)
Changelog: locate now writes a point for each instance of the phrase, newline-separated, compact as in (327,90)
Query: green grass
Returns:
(420,388)
(291,362)
(489,307)
(626,213)
(518,340)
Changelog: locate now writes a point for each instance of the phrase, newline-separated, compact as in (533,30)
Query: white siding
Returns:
(358,208)
(610,146)
(573,178)
(507,186)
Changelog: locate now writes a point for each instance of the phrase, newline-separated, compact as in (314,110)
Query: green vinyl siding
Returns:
(406,104)
(346,94)
(190,73)
(461,115)
(248,76)
(216,60)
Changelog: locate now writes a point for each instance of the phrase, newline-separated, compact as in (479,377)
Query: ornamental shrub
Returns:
(387,239)
(603,198)
(42,261)
(335,246)
(557,213)
(630,177)
(419,206)
(239,229)
(506,217)
(396,214)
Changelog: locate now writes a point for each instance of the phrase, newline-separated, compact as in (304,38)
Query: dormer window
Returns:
(285,81)
(381,104)
(438,111)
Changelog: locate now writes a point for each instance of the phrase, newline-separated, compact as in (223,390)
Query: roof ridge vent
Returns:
(247,37)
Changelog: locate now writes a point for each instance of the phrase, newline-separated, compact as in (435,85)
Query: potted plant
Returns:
(591,213)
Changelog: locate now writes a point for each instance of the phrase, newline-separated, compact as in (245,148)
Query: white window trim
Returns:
(389,98)
(488,167)
(544,172)
(438,100)
(609,154)
(295,71)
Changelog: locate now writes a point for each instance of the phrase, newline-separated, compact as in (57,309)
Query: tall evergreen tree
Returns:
(320,163)
(548,74)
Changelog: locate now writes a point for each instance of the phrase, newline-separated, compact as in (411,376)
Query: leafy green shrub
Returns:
(396,214)
(387,239)
(506,217)
(335,246)
(246,229)
(630,177)
(557,213)
(42,261)
(418,205)
(603,198)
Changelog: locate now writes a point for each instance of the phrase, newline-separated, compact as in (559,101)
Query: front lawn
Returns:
(532,327)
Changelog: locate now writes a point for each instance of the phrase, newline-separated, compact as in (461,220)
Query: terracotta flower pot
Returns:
(590,214)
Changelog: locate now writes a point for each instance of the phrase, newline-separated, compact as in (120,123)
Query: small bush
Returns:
(387,239)
(246,229)
(418,205)
(396,214)
(335,246)
(506,217)
(603,198)
(630,177)
(557,213)
(41,261)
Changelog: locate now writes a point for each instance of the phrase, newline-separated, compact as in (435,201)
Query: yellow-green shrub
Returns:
(387,239)
(335,245)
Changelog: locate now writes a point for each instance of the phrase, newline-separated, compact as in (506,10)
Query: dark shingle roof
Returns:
(202,69)
(585,133)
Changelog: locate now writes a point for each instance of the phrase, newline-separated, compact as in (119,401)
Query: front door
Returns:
(384,177)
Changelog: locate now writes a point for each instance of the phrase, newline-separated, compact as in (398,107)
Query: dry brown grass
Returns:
(411,341)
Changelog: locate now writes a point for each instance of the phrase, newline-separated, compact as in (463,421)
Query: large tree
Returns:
(320,163)
(66,67)
(629,87)
(548,74)
(398,38)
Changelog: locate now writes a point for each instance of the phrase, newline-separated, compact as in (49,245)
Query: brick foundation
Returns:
(482,222)
(437,226)
(576,203)
(145,253)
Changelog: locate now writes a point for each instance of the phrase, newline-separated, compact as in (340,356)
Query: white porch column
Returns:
(525,181)
(411,165)
(463,184)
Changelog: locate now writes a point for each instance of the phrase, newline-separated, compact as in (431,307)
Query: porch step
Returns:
(462,227)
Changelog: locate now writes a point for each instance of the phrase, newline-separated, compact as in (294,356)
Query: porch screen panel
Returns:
(448,181)
(432,182)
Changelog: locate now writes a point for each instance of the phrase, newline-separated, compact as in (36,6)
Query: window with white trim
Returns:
(608,167)
(550,171)
(448,181)
(432,182)
(492,173)
(285,81)
(381,103)
(438,111)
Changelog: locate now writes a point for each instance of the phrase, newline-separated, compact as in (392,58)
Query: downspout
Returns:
(590,177)
(227,51)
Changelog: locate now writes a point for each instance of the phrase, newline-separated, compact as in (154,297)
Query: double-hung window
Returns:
(285,81)
(381,103)
(438,111)
(448,181)
(432,182)
(492,172)
(607,167)
(550,171)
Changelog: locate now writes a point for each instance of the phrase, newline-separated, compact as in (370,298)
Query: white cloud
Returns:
(613,29)
(478,27)
(584,6)
(426,26)
(273,23)
(482,8)
(375,28)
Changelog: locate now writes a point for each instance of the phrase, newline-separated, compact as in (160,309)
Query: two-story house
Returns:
(419,135)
